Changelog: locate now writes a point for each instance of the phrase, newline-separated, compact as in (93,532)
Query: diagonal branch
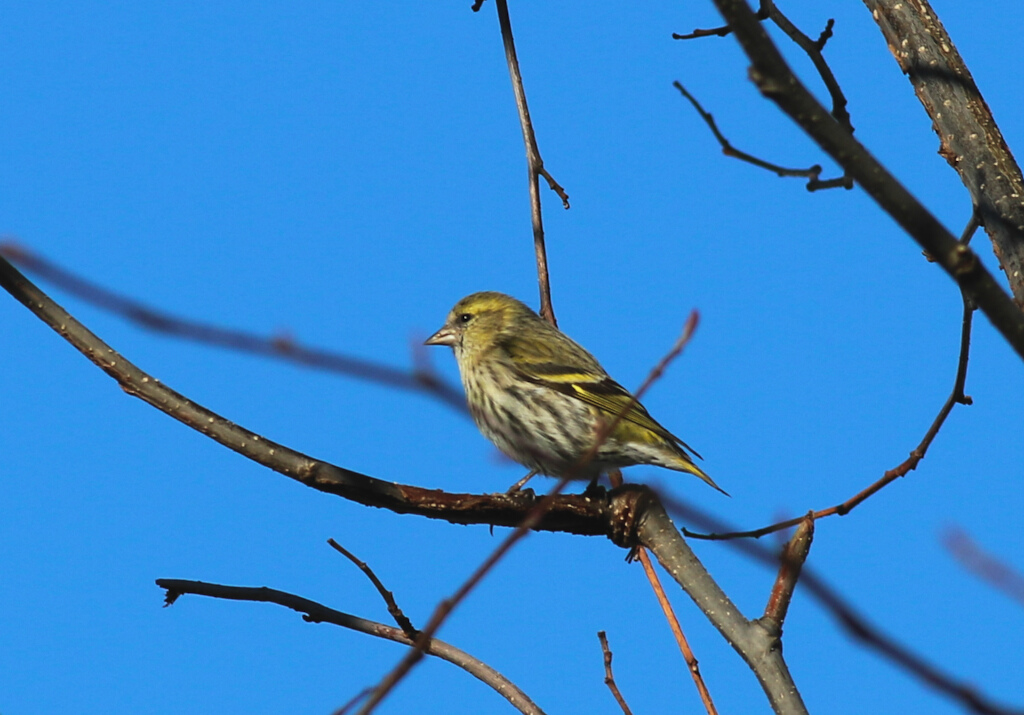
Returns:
(812,174)
(986,566)
(389,598)
(969,137)
(776,81)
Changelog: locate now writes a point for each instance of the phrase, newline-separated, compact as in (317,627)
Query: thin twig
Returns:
(447,606)
(724,30)
(534,163)
(677,631)
(639,552)
(985,566)
(389,598)
(355,699)
(812,174)
(421,379)
(956,397)
(317,613)
(609,677)
(812,48)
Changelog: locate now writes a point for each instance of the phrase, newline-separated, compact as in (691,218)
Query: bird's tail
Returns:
(691,468)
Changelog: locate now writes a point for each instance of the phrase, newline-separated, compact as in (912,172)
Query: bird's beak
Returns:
(444,336)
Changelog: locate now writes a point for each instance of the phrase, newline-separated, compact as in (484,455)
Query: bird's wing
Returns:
(587,382)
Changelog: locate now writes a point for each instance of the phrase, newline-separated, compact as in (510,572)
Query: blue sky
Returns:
(343,173)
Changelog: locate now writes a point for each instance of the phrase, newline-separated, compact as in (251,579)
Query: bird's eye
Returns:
(465,318)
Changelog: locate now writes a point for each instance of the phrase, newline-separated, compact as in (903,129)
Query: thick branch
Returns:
(856,624)
(969,138)
(755,643)
(776,81)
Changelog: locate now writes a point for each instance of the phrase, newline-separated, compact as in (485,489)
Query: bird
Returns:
(541,398)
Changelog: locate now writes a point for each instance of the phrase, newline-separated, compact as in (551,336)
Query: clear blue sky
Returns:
(343,172)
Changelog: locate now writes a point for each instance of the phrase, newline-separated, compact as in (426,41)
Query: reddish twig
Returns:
(422,379)
(609,678)
(957,396)
(985,566)
(535,165)
(677,631)
(792,559)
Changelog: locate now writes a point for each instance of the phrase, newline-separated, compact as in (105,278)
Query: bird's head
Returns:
(480,319)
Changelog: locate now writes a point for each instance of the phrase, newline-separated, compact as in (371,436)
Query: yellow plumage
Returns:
(541,397)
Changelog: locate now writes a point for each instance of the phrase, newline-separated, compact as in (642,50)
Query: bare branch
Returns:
(956,396)
(609,677)
(422,379)
(574,513)
(389,598)
(615,476)
(776,81)
(812,174)
(757,644)
(855,623)
(812,48)
(762,14)
(314,612)
(535,165)
(969,137)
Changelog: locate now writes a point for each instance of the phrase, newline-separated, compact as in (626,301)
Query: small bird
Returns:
(542,398)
